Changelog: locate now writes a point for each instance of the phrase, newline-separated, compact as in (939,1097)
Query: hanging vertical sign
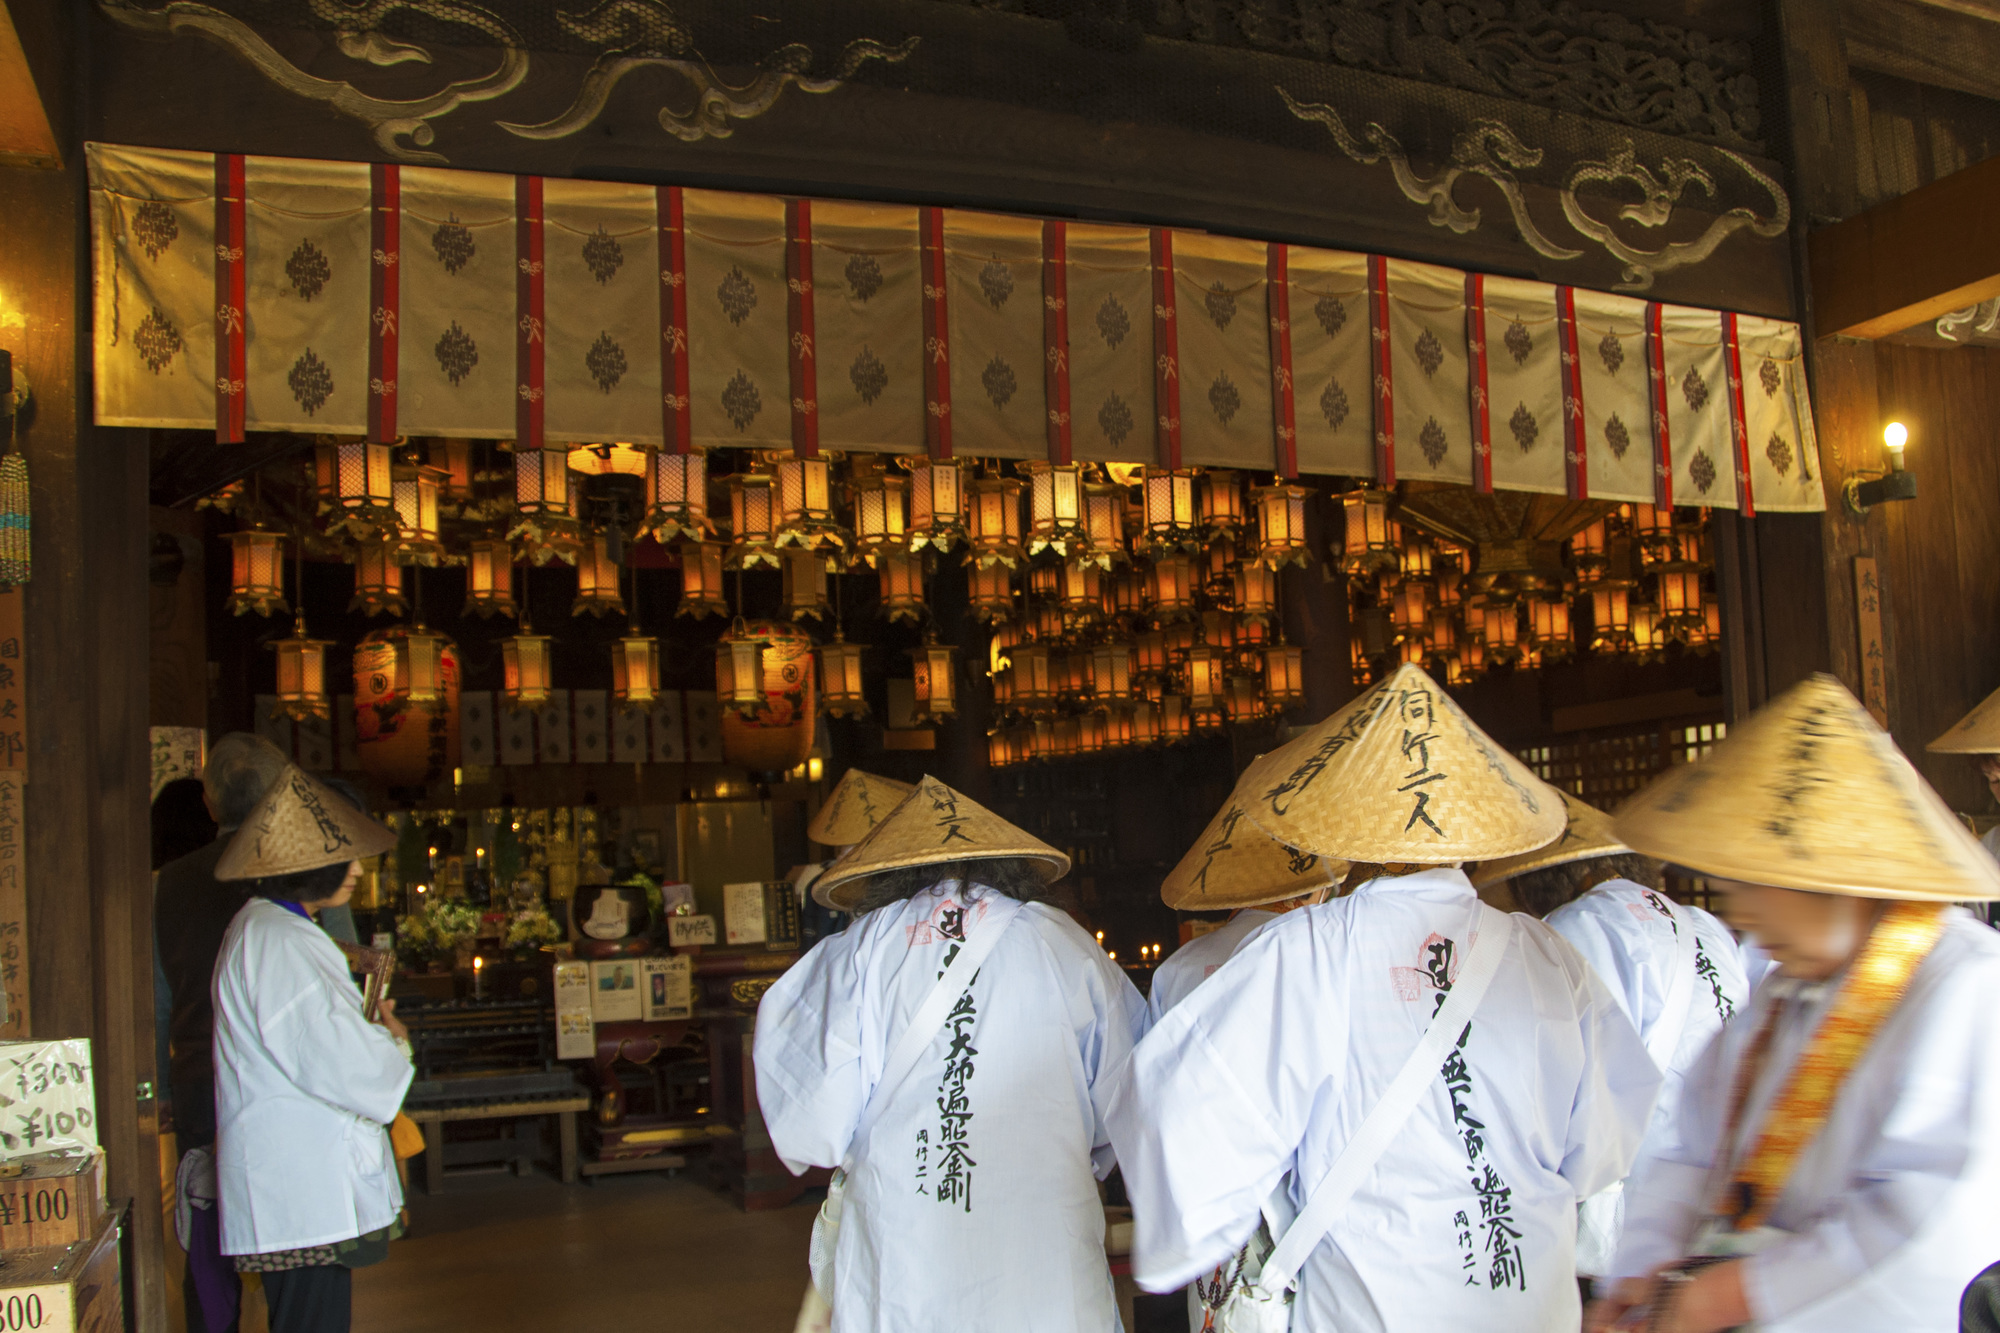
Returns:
(1574,439)
(1166,352)
(1379,359)
(1739,432)
(675,428)
(13,807)
(1284,414)
(1656,383)
(937,337)
(385,214)
(230,365)
(799,285)
(1482,406)
(1055,334)
(1874,662)
(529,344)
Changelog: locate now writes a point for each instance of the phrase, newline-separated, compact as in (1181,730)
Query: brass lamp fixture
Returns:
(753,519)
(739,670)
(635,672)
(527,665)
(416,500)
(1103,526)
(1281,524)
(356,477)
(1221,502)
(993,522)
(991,592)
(1284,674)
(1895,484)
(881,502)
(420,663)
(301,688)
(1369,544)
(1173,587)
(805,504)
(1167,497)
(805,584)
(597,590)
(902,574)
(935,678)
(257,573)
(1549,628)
(840,690)
(1111,672)
(545,504)
(1611,614)
(378,579)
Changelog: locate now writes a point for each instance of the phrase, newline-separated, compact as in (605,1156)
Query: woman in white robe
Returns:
(971,1203)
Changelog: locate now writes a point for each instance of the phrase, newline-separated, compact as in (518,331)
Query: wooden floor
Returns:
(499,1254)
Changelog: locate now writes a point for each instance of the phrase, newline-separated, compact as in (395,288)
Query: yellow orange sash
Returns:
(1874,986)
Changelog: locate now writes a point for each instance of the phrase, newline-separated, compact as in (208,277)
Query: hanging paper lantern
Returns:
(356,475)
(1370,543)
(1103,526)
(753,519)
(452,461)
(406,705)
(1679,588)
(1149,652)
(1204,677)
(1091,733)
(1044,623)
(701,581)
(1649,638)
(937,502)
(1167,501)
(935,679)
(1218,569)
(1549,629)
(527,670)
(1284,675)
(1181,636)
(1176,719)
(547,527)
(881,502)
(302,675)
(416,499)
(1653,530)
(1501,623)
(1173,586)
(1218,629)
(840,692)
(378,579)
(1281,524)
(739,669)
(1125,593)
(1449,586)
(1222,513)
(999,749)
(1006,635)
(1711,614)
(1441,634)
(777,732)
(805,505)
(1472,652)
(1611,615)
(1111,672)
(1418,556)
(635,672)
(991,590)
(805,585)
(608,459)
(1003,687)
(1144,717)
(1034,678)
(1589,552)
(1256,591)
(679,497)
(993,522)
(1055,507)
(1251,638)
(1412,652)
(1359,669)
(257,573)
(489,577)
(1081,593)
(902,574)
(597,580)
(1409,610)
(1243,699)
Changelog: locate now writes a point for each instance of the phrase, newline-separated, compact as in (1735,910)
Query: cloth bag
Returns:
(816,1313)
(1260,1300)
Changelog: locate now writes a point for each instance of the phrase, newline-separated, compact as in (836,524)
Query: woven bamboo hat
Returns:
(1401,774)
(858,802)
(1587,834)
(933,825)
(1978,732)
(1810,794)
(1236,864)
(300,825)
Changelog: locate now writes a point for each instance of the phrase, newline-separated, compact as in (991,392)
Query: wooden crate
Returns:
(66,1289)
(54,1202)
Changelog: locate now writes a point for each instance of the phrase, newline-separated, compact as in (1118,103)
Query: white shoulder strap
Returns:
(1665,1038)
(1492,934)
(929,1018)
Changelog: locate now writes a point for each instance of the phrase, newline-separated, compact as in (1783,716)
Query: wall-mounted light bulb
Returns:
(1895,435)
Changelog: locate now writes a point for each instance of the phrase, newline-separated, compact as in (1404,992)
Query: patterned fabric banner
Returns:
(339,298)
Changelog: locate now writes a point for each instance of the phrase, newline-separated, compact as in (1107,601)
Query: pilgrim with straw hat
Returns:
(1442,1080)
(1832,1165)
(952,1052)
(305,1083)
(857,803)
(1677,971)
(1978,734)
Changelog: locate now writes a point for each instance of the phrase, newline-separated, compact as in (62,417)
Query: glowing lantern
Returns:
(1611,612)
(902,575)
(1204,677)
(378,579)
(1244,699)
(1502,624)
(357,475)
(546,504)
(1041,739)
(1125,595)
(1145,721)
(805,585)
(1167,497)
(1118,731)
(1649,637)
(1082,591)
(881,509)
(1090,733)
(805,504)
(840,678)
(1034,684)
(1281,524)
(1045,623)
(1548,627)
(992,592)
(1000,751)
(1006,634)
(937,502)
(1680,597)
(1442,632)
(1472,654)
(1072,675)
(635,672)
(1222,511)
(1284,674)
(489,578)
(679,497)
(1450,585)
(406,705)
(1180,637)
(608,459)
(257,573)
(739,669)
(936,680)
(452,460)
(1418,556)
(597,580)
(1711,615)
(1370,541)
(416,500)
(777,733)
(1055,507)
(1068,738)
(1045,582)
(1003,688)
(302,675)
(1653,528)
(1173,586)
(1220,572)
(1111,672)
(1176,721)
(993,522)
(753,520)
(1588,552)
(1218,629)
(701,581)
(1256,591)
(1104,525)
(526,670)
(420,669)
(1409,610)
(1149,652)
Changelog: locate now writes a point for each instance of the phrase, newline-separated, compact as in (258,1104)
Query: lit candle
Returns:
(478,978)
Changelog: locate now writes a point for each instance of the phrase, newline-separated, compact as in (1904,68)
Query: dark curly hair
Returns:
(1015,876)
(1540,892)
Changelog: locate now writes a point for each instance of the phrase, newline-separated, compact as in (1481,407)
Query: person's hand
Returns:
(385,1014)
(1713,1301)
(1607,1312)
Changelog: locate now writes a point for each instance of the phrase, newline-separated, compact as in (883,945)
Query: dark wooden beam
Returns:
(1909,260)
(1943,46)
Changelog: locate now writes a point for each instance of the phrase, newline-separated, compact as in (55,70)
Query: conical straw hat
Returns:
(1401,775)
(934,825)
(858,802)
(300,825)
(1236,864)
(1978,732)
(1808,793)
(1587,834)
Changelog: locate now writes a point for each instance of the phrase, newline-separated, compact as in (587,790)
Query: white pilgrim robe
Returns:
(1624,932)
(1193,963)
(1007,1232)
(1891,1205)
(1469,1219)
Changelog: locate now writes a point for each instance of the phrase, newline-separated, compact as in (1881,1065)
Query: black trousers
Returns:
(310,1300)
